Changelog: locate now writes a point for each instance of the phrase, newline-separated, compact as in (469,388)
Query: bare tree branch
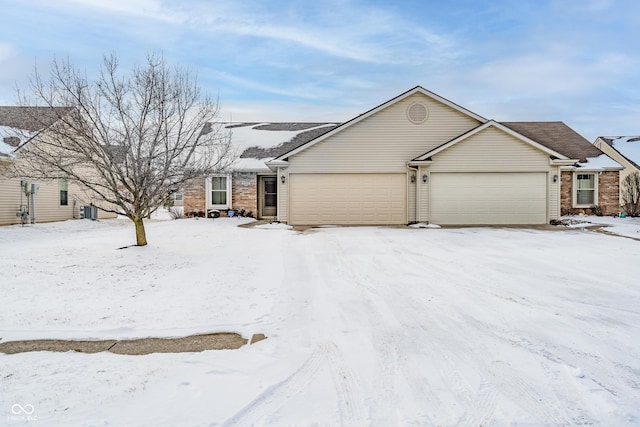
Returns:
(131,139)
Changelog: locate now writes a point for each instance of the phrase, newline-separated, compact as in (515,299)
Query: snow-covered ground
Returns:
(365,325)
(629,227)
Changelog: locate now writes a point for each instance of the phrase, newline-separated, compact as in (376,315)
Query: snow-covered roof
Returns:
(257,143)
(628,146)
(600,163)
(11,138)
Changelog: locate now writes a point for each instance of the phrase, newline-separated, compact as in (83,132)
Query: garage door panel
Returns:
(347,199)
(488,198)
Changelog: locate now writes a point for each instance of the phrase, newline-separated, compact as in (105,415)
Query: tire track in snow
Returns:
(483,406)
(405,366)
(349,395)
(276,396)
(508,381)
(383,411)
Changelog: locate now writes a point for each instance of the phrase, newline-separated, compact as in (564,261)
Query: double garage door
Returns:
(488,198)
(454,199)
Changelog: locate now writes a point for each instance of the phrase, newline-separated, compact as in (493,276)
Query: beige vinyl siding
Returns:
(47,201)
(491,151)
(554,194)
(385,141)
(411,196)
(422,196)
(283,196)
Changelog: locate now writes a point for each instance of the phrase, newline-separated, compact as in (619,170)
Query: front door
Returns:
(269,197)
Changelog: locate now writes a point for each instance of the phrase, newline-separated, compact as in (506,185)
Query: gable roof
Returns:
(492,123)
(558,137)
(627,146)
(410,92)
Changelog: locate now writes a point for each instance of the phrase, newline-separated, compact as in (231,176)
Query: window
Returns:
(177,196)
(219,191)
(63,184)
(585,194)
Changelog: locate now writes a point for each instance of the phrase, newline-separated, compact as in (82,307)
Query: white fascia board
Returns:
(563,162)
(417,89)
(275,164)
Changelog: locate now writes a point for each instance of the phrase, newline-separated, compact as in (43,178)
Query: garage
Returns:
(347,199)
(488,198)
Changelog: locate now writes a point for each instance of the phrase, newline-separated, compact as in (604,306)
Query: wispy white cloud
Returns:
(149,9)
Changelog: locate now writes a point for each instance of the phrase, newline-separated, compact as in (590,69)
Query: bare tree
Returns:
(631,194)
(133,140)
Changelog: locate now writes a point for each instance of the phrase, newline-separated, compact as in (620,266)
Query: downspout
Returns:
(33,203)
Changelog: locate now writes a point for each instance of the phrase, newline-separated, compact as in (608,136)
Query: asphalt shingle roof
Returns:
(557,136)
(30,118)
(314,131)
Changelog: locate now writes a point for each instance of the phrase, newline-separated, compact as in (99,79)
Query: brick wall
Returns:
(566,193)
(608,194)
(194,198)
(244,191)
(244,194)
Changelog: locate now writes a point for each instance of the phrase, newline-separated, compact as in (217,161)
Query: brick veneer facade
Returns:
(244,194)
(193,200)
(244,191)
(608,194)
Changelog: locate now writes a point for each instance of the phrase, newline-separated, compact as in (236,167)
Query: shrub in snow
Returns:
(631,194)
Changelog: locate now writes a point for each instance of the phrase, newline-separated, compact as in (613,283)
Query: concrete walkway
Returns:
(193,343)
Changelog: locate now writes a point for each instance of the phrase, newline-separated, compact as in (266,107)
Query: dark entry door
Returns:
(269,199)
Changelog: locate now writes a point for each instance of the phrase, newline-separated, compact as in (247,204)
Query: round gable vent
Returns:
(417,113)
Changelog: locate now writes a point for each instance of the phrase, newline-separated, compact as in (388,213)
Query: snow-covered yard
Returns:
(366,326)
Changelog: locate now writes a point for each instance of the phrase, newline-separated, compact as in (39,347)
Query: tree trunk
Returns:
(141,236)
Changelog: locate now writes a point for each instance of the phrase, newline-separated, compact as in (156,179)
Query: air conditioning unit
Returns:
(89,212)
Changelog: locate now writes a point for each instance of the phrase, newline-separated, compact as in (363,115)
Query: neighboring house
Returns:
(250,186)
(421,158)
(624,150)
(57,198)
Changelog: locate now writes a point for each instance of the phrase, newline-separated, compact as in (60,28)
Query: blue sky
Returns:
(572,60)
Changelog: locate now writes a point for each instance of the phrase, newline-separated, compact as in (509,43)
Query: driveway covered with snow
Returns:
(366,326)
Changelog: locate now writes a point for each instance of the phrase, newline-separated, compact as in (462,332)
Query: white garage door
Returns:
(488,198)
(347,199)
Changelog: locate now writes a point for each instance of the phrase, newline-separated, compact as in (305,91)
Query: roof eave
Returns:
(275,164)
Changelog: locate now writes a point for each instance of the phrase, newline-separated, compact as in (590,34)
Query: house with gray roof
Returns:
(418,157)
(624,150)
(55,198)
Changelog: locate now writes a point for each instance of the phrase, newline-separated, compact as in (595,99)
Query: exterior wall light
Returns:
(283,179)
(413,179)
(555,178)
(425,178)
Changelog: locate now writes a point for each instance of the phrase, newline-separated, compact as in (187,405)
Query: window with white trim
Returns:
(63,185)
(586,189)
(219,192)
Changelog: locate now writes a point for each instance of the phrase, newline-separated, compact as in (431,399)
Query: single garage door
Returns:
(488,198)
(347,199)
